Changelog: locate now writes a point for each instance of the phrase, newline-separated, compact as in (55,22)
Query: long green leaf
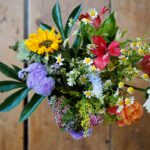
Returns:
(77,42)
(31,106)
(10,85)
(45,26)
(9,72)
(56,14)
(16,68)
(74,15)
(13,100)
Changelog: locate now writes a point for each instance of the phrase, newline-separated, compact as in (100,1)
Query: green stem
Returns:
(136,88)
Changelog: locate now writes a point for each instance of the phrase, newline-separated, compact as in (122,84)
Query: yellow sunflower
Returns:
(44,41)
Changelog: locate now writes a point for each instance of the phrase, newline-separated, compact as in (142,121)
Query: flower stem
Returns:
(136,88)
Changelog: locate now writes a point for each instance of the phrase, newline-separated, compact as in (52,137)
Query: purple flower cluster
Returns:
(95,120)
(80,135)
(37,79)
(59,112)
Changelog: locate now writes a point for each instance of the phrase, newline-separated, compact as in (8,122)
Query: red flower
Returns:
(145,64)
(103,52)
(112,110)
(97,21)
(82,16)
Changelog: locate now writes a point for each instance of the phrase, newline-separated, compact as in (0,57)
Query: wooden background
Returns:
(42,131)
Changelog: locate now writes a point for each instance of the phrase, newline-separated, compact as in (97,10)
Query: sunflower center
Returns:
(46,43)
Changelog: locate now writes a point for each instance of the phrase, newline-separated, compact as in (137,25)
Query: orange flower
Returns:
(130,114)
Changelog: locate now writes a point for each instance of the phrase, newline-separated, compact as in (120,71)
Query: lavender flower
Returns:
(97,84)
(80,135)
(37,79)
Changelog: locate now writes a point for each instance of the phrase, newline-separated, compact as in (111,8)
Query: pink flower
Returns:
(103,52)
(145,64)
(97,21)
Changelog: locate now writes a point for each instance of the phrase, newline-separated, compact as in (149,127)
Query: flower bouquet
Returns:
(86,82)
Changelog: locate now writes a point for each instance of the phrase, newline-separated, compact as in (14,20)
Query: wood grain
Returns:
(43,132)
(11,30)
(134,16)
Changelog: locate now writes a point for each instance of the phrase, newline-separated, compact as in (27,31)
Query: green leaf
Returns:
(16,68)
(109,27)
(45,26)
(23,53)
(56,14)
(9,72)
(13,100)
(14,47)
(31,106)
(74,15)
(10,85)
(77,42)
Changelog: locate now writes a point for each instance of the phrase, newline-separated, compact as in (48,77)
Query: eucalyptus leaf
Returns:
(31,106)
(56,14)
(23,53)
(9,72)
(74,16)
(10,85)
(13,100)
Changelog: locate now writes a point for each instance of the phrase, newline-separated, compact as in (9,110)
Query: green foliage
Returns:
(13,100)
(74,15)
(56,14)
(23,53)
(77,43)
(109,28)
(10,85)
(87,107)
(16,68)
(9,72)
(45,26)
(31,106)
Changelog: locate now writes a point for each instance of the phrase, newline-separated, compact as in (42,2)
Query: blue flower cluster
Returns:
(96,83)
(37,79)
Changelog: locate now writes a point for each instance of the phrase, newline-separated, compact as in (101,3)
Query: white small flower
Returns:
(83,79)
(59,60)
(147,103)
(129,101)
(75,33)
(66,41)
(71,81)
(120,105)
(88,94)
(88,61)
(116,93)
(71,21)
(93,13)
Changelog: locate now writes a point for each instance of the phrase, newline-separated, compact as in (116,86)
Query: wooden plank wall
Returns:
(43,132)
(11,30)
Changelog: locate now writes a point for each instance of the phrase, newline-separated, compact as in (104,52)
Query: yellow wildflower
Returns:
(140,51)
(120,85)
(44,41)
(130,90)
(145,76)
